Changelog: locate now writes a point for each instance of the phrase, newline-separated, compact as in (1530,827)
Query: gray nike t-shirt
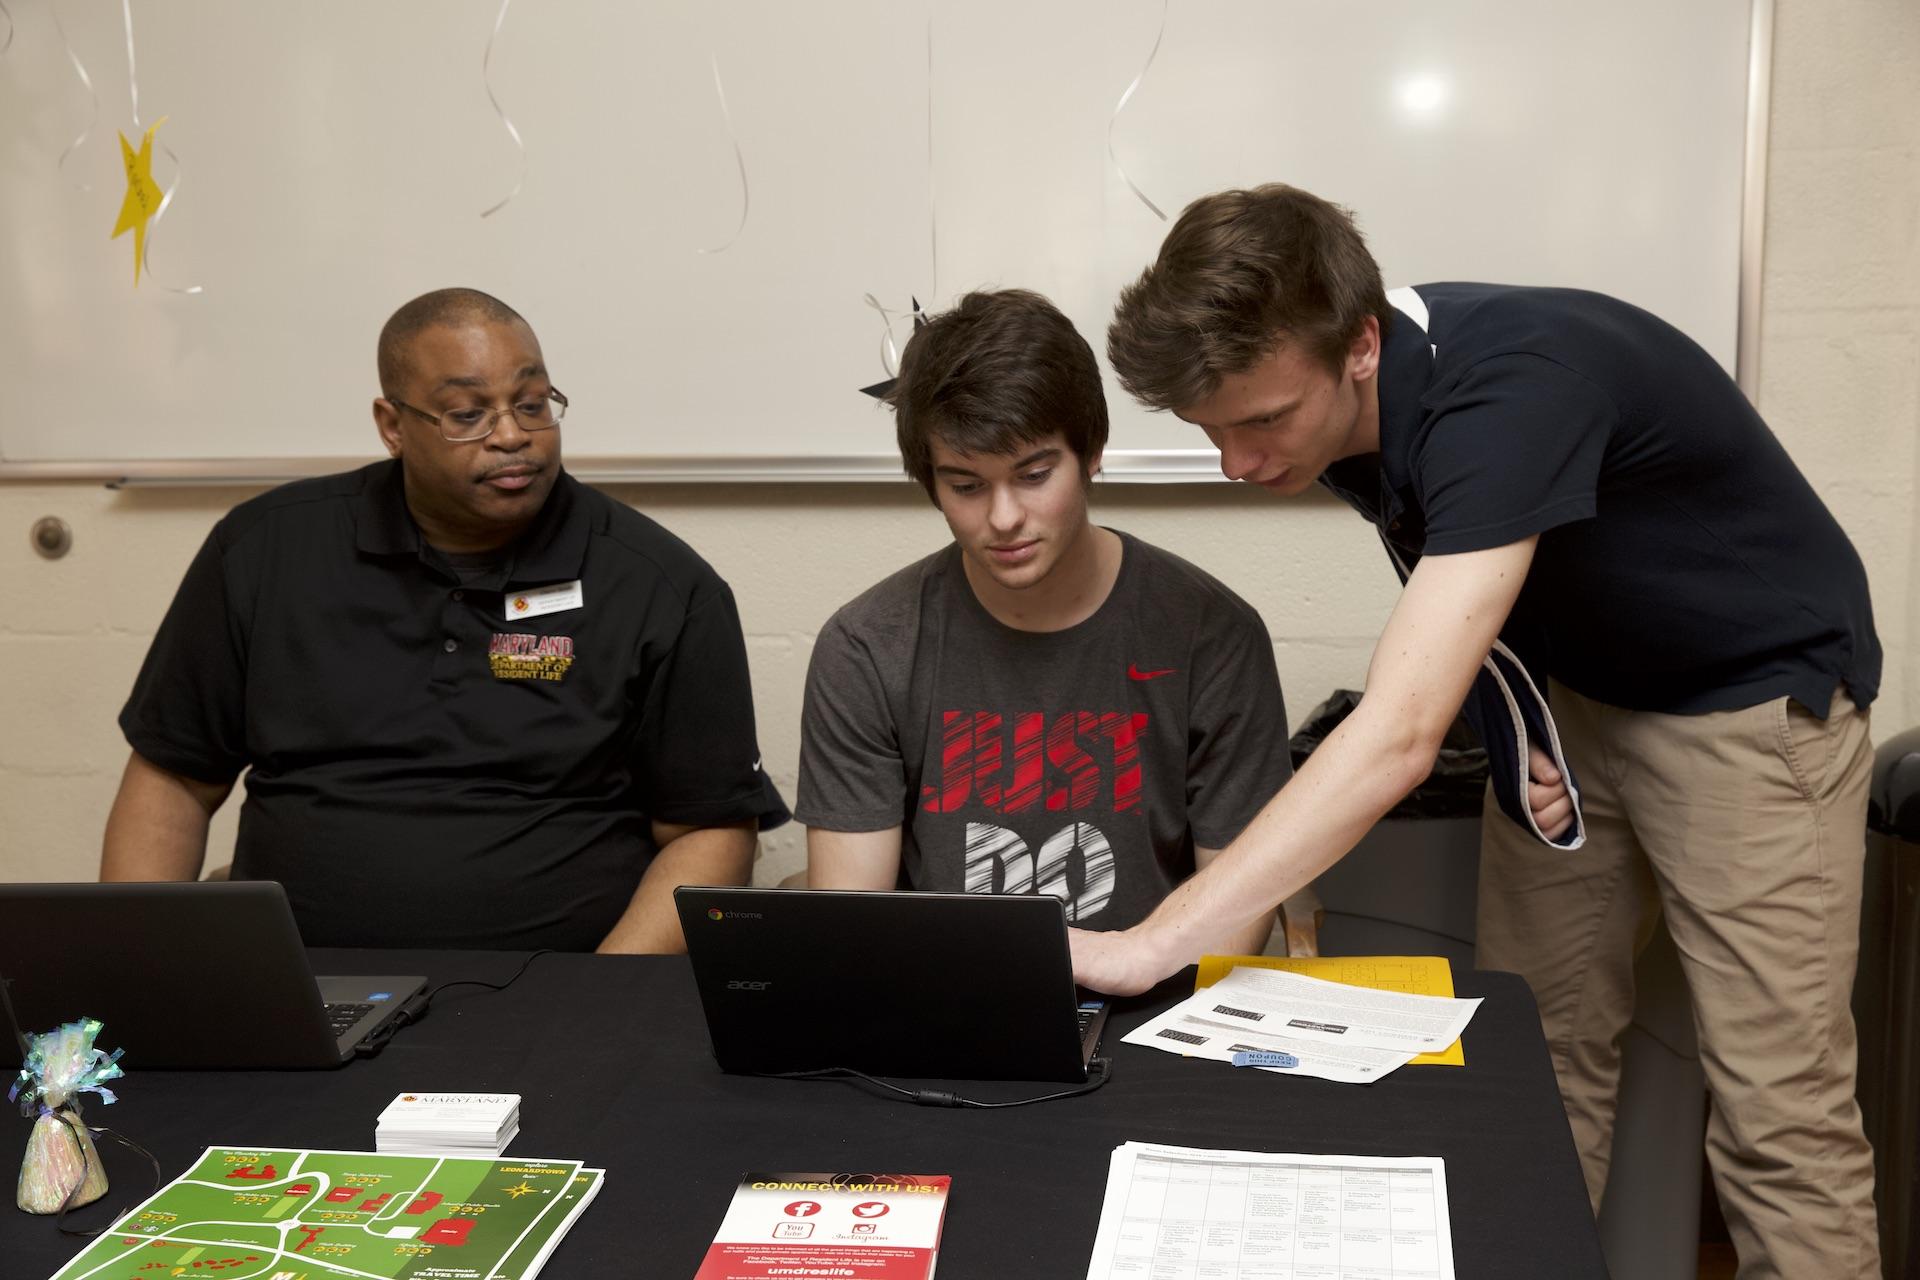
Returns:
(1085,763)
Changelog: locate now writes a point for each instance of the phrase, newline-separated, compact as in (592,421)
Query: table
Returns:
(611,1056)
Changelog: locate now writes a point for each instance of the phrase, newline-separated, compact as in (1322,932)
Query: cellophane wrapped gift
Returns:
(62,1169)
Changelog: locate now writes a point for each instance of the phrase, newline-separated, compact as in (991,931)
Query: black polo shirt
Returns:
(1684,565)
(424,770)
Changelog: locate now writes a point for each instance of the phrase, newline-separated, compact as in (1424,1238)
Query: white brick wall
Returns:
(1840,366)
(1840,351)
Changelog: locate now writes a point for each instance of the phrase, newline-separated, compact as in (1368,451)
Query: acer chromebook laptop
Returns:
(952,986)
(182,974)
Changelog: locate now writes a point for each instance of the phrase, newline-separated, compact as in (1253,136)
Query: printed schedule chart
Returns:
(1183,1213)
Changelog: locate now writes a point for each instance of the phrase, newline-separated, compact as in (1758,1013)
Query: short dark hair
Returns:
(1240,273)
(1001,369)
(441,307)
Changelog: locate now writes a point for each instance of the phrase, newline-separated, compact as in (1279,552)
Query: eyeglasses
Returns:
(535,413)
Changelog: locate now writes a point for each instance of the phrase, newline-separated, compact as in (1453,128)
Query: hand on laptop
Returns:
(1120,963)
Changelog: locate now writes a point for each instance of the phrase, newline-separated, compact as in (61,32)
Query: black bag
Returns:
(1455,789)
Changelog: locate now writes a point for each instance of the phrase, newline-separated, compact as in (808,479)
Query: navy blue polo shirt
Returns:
(1684,563)
(429,762)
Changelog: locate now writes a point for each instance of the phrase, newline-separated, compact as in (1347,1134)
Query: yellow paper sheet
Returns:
(1417,975)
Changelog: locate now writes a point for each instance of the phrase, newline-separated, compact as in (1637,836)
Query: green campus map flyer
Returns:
(274,1214)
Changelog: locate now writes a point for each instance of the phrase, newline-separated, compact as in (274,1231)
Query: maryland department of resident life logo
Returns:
(514,656)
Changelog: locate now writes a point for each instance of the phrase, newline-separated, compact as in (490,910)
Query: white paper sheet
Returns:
(1178,1030)
(1336,1012)
(1172,1213)
(1354,1035)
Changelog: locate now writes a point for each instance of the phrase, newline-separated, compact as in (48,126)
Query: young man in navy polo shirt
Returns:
(1044,706)
(478,704)
(1577,494)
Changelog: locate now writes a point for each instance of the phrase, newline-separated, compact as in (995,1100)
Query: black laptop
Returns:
(182,974)
(951,986)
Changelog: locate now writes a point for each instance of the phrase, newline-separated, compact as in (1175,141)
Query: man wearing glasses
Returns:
(480,703)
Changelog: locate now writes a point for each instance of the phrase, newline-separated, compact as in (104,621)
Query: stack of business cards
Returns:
(467,1124)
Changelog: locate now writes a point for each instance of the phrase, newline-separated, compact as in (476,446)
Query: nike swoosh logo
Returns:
(1135,673)
(756,762)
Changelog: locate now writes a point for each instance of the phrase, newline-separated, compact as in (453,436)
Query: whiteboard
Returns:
(334,160)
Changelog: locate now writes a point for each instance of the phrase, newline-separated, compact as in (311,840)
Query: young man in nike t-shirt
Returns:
(1046,706)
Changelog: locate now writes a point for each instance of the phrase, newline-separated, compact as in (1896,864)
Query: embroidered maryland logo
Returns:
(521,657)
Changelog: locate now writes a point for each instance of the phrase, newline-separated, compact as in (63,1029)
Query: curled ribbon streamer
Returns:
(486,79)
(92,93)
(933,221)
(746,195)
(166,196)
(889,353)
(889,350)
(1120,106)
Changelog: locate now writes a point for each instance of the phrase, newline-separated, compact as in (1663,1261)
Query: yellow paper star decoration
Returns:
(143,197)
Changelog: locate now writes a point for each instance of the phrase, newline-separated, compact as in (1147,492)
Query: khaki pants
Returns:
(1746,828)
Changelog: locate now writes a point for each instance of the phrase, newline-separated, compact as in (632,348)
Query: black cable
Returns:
(491,986)
(415,1009)
(1100,1070)
(6,1010)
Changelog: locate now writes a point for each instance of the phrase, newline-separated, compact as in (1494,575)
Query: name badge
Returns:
(554,599)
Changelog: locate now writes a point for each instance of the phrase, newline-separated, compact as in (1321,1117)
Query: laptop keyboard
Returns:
(342,1016)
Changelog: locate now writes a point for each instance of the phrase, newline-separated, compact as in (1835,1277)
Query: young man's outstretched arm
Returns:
(1445,622)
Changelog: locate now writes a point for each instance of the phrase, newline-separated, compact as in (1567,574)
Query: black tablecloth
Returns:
(611,1057)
